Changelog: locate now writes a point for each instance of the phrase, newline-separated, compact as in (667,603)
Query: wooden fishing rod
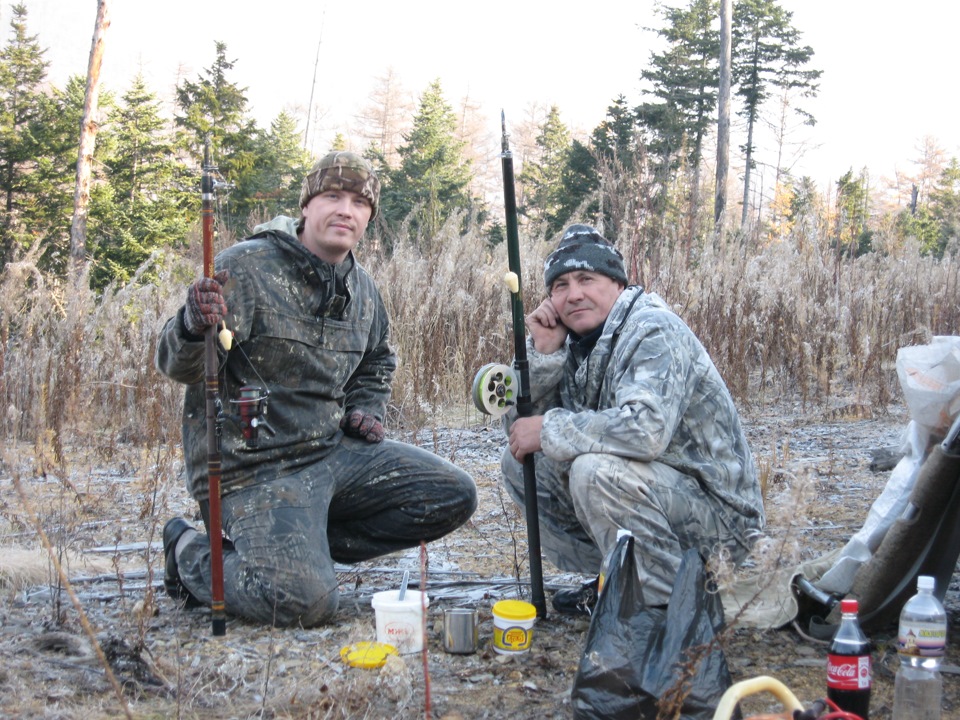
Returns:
(211,365)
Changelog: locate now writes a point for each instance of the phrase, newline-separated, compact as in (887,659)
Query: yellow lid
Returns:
(515,610)
(367,654)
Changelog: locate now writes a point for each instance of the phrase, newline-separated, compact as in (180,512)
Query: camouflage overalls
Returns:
(642,434)
(316,337)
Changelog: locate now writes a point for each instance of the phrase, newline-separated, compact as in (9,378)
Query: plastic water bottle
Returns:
(921,643)
(608,559)
(848,664)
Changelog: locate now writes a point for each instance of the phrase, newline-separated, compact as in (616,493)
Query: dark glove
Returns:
(205,306)
(362,425)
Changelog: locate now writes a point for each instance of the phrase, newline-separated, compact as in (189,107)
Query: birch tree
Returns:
(88,139)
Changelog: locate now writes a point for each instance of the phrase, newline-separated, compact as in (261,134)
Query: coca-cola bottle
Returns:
(848,664)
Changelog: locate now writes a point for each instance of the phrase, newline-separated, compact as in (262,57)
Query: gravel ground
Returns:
(105,524)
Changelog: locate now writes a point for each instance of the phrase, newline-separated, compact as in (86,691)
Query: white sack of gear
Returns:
(930,378)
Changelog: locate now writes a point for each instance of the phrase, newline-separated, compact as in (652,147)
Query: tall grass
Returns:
(79,391)
(779,322)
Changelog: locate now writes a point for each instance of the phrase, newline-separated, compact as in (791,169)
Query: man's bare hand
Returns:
(525,436)
(548,333)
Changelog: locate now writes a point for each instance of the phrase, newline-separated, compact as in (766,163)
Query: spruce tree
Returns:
(273,185)
(767,54)
(213,106)
(684,83)
(541,175)
(50,187)
(580,181)
(612,153)
(140,211)
(945,201)
(433,178)
(615,138)
(852,237)
(25,111)
(684,80)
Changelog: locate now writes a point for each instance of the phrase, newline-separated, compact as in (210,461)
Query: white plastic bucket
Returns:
(400,622)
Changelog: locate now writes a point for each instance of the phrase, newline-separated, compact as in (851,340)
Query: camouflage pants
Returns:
(582,504)
(360,502)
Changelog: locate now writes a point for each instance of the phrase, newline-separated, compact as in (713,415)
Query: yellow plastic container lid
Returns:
(367,654)
(515,610)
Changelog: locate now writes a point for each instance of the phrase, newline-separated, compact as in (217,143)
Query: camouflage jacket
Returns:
(649,391)
(316,343)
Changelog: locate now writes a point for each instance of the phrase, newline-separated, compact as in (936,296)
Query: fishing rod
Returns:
(522,367)
(214,408)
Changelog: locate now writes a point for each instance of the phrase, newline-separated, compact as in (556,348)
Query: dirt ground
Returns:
(819,489)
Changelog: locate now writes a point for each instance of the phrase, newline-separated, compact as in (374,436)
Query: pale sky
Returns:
(889,76)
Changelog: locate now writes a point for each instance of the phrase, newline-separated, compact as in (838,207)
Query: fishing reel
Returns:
(252,406)
(495,389)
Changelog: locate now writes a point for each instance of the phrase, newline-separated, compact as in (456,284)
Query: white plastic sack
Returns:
(930,378)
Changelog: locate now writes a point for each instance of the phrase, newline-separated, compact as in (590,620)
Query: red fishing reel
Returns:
(252,405)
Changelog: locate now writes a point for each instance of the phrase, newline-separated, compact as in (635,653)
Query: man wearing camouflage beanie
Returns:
(633,428)
(319,484)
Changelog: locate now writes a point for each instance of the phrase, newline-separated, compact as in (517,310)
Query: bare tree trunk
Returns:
(746,174)
(313,85)
(723,121)
(88,137)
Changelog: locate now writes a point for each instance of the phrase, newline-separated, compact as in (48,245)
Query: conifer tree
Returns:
(272,187)
(385,116)
(432,180)
(141,210)
(25,111)
(541,175)
(852,237)
(616,136)
(50,187)
(580,181)
(214,106)
(684,80)
(612,154)
(767,54)
(945,201)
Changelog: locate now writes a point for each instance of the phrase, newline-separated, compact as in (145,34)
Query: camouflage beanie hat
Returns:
(583,248)
(342,171)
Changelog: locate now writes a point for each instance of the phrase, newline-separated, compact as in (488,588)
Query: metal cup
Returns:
(460,631)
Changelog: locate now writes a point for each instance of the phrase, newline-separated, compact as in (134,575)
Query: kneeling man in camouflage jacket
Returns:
(632,428)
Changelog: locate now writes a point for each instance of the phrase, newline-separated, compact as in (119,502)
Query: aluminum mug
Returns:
(460,631)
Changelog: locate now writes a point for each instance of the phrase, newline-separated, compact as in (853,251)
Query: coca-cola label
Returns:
(848,672)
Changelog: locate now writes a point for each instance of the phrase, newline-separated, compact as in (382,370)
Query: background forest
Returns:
(794,289)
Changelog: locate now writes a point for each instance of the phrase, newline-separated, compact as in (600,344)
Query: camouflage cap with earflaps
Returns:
(583,248)
(342,171)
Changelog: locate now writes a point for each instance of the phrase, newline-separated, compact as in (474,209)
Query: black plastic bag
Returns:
(635,655)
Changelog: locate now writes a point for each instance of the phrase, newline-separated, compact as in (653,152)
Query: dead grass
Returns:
(789,323)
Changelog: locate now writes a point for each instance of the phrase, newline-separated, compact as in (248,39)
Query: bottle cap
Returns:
(622,532)
(849,606)
(925,582)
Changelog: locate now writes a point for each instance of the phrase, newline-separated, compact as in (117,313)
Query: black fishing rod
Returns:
(522,366)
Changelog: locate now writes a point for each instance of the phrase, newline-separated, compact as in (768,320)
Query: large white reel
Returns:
(495,389)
